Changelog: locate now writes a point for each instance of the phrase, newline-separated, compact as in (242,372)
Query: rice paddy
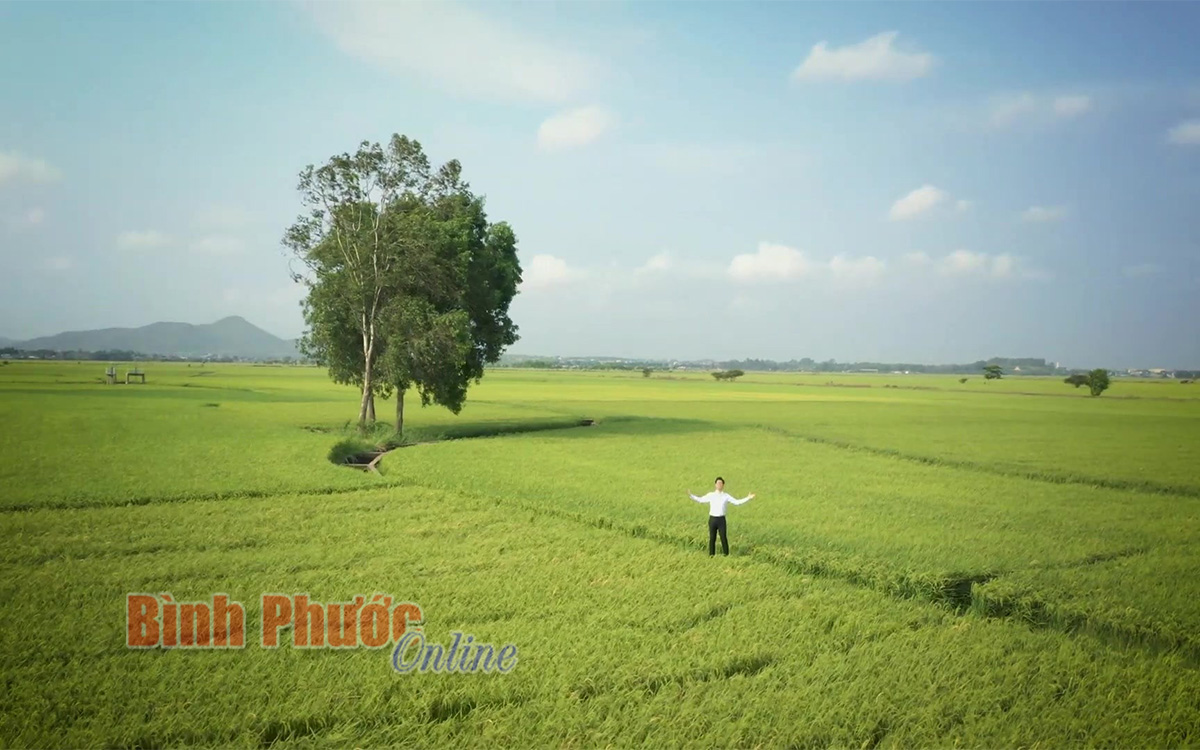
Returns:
(926,562)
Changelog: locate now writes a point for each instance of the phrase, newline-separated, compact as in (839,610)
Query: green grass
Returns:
(927,562)
(70,442)
(621,641)
(1143,596)
(910,529)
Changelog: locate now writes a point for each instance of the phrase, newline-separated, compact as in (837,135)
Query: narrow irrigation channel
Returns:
(368,460)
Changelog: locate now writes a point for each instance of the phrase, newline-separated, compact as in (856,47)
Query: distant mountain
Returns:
(229,337)
(6,341)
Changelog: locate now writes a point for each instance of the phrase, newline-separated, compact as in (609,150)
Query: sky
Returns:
(900,182)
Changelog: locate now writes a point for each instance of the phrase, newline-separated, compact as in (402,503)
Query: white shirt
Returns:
(717,501)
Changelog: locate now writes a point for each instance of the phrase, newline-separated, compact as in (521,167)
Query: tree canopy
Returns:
(1076,379)
(408,282)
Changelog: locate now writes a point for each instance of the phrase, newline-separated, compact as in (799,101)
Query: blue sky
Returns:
(928,182)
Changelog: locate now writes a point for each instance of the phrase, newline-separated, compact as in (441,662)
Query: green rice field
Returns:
(926,562)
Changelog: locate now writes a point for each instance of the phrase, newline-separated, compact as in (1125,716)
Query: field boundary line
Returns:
(200,497)
(1048,477)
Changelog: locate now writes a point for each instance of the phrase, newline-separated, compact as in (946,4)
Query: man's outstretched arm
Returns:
(698,499)
(747,498)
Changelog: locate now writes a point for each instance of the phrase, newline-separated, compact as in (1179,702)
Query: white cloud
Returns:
(865,269)
(1142,270)
(59,263)
(917,202)
(15,166)
(1009,110)
(772,262)
(780,263)
(874,59)
(966,263)
(575,127)
(218,245)
(147,239)
(1185,133)
(658,264)
(1072,106)
(451,47)
(963,261)
(1043,213)
(1006,110)
(775,263)
(545,271)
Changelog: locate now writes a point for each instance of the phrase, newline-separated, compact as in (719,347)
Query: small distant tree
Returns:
(963,380)
(1076,380)
(728,374)
(646,372)
(993,372)
(1098,381)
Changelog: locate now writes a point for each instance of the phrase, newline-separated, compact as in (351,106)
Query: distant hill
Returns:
(229,337)
(5,341)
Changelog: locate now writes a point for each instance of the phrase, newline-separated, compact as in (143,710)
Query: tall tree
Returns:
(408,285)
(442,333)
(350,254)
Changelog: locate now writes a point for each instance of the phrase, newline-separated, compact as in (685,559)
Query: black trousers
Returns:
(715,524)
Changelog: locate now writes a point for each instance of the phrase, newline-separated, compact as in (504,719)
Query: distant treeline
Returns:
(1028,366)
(125,355)
(570,364)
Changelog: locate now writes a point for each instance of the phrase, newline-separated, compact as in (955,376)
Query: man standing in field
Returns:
(717,500)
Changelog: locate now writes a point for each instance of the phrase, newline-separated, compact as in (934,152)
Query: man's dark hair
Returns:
(718,479)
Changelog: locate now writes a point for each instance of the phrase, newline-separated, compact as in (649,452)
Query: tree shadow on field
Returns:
(639,426)
(363,451)
(574,428)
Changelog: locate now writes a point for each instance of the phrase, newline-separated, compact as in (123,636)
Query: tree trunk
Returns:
(400,412)
(367,406)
